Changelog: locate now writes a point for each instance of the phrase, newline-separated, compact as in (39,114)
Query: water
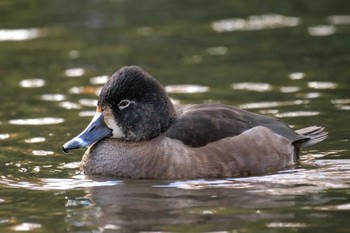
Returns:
(286,59)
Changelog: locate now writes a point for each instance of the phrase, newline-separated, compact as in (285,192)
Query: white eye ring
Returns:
(124,104)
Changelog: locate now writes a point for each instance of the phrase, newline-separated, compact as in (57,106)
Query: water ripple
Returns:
(53,97)
(297,114)
(186,89)
(289,89)
(20,34)
(26,226)
(333,173)
(255,22)
(75,72)
(272,104)
(217,51)
(309,95)
(322,85)
(37,121)
(32,83)
(251,86)
(57,184)
(86,90)
(341,104)
(322,30)
(339,19)
(42,152)
(35,140)
(296,76)
(4,136)
(99,80)
(88,102)
(70,105)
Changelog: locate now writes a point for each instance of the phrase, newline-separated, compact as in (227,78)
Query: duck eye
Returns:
(123,104)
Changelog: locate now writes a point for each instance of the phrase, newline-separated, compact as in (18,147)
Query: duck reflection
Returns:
(138,205)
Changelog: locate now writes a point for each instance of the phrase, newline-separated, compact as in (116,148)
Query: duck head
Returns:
(132,106)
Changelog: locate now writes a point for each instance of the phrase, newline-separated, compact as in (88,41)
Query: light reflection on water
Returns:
(32,83)
(53,97)
(325,174)
(37,121)
(339,19)
(20,34)
(78,181)
(186,89)
(297,114)
(287,72)
(99,80)
(322,175)
(273,104)
(322,30)
(107,203)
(255,22)
(86,90)
(251,86)
(75,72)
(241,200)
(322,85)
(217,51)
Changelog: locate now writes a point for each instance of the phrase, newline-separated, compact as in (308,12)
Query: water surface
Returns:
(286,59)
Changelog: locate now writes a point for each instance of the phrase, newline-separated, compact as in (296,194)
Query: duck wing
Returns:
(199,124)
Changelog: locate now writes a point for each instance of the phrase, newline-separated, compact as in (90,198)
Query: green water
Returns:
(288,59)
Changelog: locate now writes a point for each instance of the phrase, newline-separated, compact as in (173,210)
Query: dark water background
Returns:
(288,59)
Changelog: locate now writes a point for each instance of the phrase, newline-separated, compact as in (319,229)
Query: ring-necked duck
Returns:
(138,132)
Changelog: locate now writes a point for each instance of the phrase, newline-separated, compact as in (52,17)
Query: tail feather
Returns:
(313,135)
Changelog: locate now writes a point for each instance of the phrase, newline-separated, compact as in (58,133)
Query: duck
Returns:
(137,132)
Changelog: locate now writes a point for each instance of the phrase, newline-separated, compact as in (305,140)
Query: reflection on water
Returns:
(194,59)
(272,104)
(99,80)
(309,95)
(146,205)
(77,181)
(30,83)
(325,174)
(186,89)
(190,204)
(341,104)
(35,140)
(37,121)
(297,114)
(86,90)
(53,97)
(225,51)
(4,136)
(339,19)
(20,34)
(220,50)
(69,105)
(322,85)
(322,30)
(289,89)
(26,226)
(250,86)
(296,76)
(255,22)
(42,152)
(75,72)
(88,102)
(87,113)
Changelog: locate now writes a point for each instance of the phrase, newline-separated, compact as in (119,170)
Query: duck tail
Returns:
(313,135)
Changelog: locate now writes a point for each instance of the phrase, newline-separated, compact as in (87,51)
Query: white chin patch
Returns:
(117,131)
(112,124)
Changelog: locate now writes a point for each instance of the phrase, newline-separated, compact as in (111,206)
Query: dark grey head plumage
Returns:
(148,110)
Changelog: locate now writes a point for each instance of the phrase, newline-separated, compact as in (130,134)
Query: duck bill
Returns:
(96,130)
